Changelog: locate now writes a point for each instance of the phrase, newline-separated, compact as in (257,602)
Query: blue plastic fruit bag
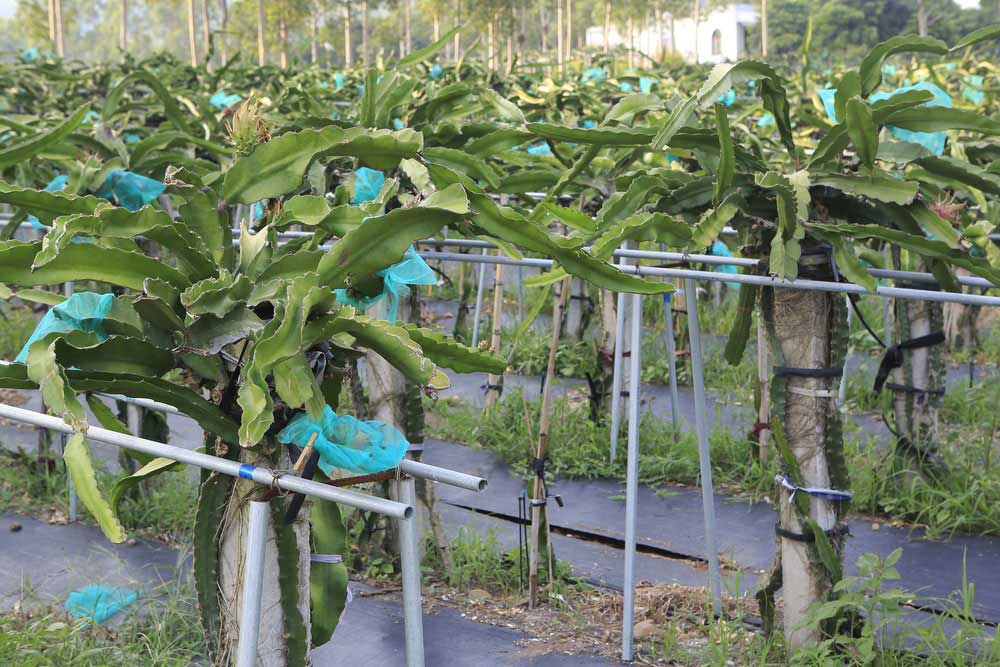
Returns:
(84,311)
(396,279)
(130,190)
(932,141)
(367,184)
(99,603)
(348,443)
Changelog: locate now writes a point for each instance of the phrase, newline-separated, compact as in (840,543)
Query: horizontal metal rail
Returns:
(260,475)
(416,469)
(742,278)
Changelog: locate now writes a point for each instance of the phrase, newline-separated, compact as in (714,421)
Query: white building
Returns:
(721,35)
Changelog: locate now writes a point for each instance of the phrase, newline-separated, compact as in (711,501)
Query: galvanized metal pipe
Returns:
(632,479)
(704,452)
(746,279)
(409,556)
(224,466)
(259,519)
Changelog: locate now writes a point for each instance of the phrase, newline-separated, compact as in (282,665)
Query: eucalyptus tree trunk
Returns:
(192,45)
(60,38)
(458,35)
(545,28)
(490,45)
(436,26)
(223,27)
(630,29)
(697,29)
(283,34)
(559,35)
(807,332)
(206,32)
(314,31)
(364,32)
(569,29)
(607,26)
(659,30)
(348,53)
(123,26)
(52,23)
(673,35)
(408,25)
(261,19)
(763,28)
(922,18)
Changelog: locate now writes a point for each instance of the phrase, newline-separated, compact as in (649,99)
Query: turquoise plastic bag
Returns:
(367,184)
(720,249)
(396,279)
(129,190)
(57,184)
(84,311)
(729,98)
(435,71)
(827,95)
(588,124)
(29,54)
(625,86)
(973,92)
(99,603)
(646,83)
(767,120)
(593,74)
(932,141)
(397,124)
(541,149)
(91,117)
(221,100)
(347,442)
(339,79)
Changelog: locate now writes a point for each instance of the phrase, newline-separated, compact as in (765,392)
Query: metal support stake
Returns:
(479,302)
(668,322)
(409,556)
(253,581)
(632,479)
(616,374)
(704,454)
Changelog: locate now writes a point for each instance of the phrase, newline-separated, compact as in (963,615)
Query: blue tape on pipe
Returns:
(246,471)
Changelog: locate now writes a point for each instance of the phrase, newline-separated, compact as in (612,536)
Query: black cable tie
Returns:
(490,387)
(624,393)
(894,386)
(893,357)
(837,531)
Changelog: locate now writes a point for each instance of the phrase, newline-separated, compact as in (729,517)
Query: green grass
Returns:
(162,629)
(580,449)
(163,510)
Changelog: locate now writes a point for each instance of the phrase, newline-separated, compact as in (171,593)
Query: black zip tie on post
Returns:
(893,357)
(522,536)
(538,470)
(837,531)
(893,386)
(488,387)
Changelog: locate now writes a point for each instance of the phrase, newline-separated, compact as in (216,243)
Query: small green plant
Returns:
(16,325)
